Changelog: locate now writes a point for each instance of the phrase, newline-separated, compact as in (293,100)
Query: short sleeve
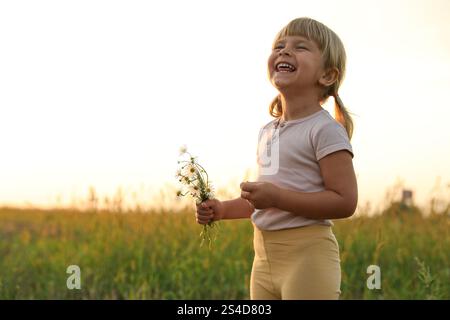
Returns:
(330,138)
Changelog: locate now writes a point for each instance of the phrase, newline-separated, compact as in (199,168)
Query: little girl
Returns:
(305,171)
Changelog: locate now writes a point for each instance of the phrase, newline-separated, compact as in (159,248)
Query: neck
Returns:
(296,107)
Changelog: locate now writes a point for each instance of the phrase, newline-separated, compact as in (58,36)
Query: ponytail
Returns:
(275,108)
(342,115)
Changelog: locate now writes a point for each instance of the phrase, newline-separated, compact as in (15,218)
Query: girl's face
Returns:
(304,63)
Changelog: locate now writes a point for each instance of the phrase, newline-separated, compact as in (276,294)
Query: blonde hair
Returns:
(333,55)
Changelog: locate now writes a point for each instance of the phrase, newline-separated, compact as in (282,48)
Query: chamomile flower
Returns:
(189,170)
(209,189)
(194,190)
(185,180)
(179,193)
(183,149)
(178,174)
(196,182)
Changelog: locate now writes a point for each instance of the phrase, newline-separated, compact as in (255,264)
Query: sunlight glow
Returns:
(103,93)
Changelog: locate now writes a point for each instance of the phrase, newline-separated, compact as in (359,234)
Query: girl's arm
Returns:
(314,205)
(237,209)
(340,198)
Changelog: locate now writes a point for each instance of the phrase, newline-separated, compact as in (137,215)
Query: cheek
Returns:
(270,72)
(308,65)
(270,62)
(269,67)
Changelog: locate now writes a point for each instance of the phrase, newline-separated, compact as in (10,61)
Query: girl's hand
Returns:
(261,194)
(211,209)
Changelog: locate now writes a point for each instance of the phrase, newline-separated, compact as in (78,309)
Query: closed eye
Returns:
(300,47)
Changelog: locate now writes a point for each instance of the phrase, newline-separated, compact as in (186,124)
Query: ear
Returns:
(329,77)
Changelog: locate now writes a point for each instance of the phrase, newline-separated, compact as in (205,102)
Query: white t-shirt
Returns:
(288,156)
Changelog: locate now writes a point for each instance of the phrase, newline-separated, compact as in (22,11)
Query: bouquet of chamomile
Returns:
(195,182)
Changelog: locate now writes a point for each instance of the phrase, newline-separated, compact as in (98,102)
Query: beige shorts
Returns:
(296,264)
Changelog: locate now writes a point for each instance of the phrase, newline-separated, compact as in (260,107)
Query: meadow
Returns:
(156,255)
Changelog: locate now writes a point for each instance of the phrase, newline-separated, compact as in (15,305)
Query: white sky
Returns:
(104,93)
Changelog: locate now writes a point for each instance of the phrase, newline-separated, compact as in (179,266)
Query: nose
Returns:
(284,51)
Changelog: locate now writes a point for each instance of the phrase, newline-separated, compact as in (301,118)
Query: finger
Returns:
(204,220)
(201,221)
(204,213)
(245,195)
(248,186)
(207,204)
(199,206)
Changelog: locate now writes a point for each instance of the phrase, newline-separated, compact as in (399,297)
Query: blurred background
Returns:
(102,93)
(96,98)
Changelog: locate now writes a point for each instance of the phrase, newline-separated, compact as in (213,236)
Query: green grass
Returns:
(157,256)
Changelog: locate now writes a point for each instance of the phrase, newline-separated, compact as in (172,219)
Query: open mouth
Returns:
(285,67)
